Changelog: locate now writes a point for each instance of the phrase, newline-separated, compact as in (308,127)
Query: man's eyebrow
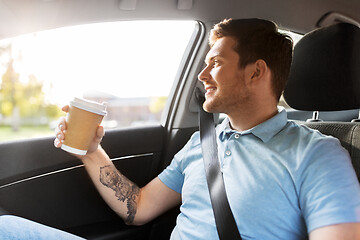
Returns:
(207,60)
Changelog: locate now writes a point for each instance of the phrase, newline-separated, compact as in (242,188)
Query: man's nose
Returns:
(204,75)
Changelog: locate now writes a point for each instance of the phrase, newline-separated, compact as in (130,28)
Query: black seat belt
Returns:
(224,219)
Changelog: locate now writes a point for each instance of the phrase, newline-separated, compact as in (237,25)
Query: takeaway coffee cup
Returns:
(82,121)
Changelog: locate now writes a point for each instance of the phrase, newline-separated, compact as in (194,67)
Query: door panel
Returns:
(26,159)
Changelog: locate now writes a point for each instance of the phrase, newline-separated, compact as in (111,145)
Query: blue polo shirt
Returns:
(282,181)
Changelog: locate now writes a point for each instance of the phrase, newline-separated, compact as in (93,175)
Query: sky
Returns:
(125,59)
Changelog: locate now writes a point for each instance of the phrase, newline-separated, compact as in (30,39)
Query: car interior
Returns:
(50,186)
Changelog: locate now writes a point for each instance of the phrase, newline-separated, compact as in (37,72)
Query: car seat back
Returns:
(325,76)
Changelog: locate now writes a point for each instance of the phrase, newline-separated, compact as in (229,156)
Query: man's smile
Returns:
(209,89)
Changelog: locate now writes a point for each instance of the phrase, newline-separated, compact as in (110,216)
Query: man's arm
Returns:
(135,205)
(344,231)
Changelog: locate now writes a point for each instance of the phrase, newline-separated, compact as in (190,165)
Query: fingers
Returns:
(62,124)
(57,143)
(65,108)
(59,133)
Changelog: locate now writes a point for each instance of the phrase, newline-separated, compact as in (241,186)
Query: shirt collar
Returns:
(265,131)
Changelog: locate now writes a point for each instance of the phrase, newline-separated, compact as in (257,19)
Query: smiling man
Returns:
(283,181)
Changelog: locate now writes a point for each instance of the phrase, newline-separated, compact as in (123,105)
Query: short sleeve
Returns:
(173,176)
(329,189)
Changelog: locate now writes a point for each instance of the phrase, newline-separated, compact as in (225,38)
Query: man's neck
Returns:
(244,120)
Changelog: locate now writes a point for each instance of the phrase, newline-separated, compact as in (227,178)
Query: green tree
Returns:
(22,99)
(9,95)
(53,111)
(157,104)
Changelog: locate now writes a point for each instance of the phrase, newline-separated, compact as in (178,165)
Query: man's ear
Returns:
(260,68)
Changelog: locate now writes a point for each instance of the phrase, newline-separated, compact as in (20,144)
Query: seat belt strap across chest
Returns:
(224,219)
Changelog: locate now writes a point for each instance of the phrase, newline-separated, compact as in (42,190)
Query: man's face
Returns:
(224,81)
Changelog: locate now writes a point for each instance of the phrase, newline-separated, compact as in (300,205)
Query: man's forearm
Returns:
(119,192)
(125,190)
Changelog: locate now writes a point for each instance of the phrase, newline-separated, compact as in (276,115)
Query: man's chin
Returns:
(210,108)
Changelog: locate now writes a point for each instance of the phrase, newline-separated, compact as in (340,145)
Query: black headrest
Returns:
(325,72)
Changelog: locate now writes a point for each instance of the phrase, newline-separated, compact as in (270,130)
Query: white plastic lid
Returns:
(91,106)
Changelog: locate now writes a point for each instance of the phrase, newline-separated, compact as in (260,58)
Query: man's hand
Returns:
(60,136)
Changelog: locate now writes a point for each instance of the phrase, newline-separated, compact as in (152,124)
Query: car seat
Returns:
(325,76)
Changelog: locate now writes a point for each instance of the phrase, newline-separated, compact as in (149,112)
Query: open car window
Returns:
(131,65)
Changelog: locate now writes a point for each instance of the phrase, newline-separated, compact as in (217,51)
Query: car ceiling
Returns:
(24,16)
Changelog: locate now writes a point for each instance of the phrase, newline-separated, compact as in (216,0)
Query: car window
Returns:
(130,65)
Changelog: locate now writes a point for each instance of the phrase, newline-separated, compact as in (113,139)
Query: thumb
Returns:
(100,133)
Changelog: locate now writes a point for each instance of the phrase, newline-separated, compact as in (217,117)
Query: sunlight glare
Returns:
(125,59)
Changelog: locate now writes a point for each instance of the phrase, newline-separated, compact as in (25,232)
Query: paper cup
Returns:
(82,121)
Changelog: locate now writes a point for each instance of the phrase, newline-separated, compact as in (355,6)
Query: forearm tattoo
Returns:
(124,189)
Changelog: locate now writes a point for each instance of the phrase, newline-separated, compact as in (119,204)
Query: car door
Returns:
(50,186)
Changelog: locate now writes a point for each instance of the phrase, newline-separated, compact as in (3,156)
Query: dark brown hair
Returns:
(259,39)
